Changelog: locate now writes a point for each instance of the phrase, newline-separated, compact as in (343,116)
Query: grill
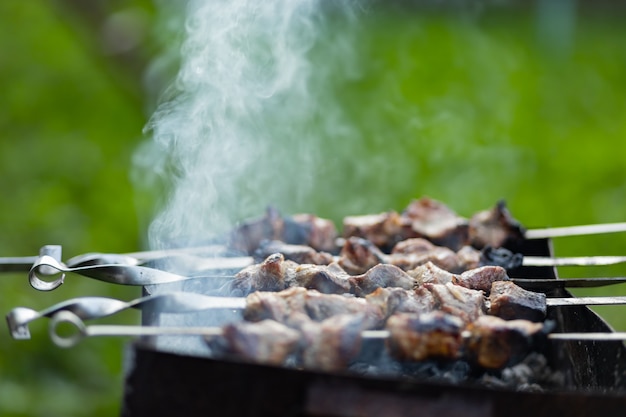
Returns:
(165,383)
(168,375)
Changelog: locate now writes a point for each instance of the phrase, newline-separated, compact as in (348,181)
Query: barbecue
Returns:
(423,296)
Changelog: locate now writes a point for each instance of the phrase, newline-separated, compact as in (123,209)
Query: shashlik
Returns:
(422,218)
(275,274)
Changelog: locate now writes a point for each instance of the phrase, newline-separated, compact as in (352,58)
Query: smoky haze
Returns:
(239,128)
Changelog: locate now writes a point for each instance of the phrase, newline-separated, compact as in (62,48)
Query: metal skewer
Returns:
(23,264)
(87,308)
(591,229)
(83,331)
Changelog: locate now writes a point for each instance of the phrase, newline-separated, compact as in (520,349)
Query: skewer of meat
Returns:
(275,274)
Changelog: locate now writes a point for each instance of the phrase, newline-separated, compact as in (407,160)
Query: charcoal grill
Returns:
(161,382)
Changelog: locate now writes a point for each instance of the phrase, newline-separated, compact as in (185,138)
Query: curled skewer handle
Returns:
(81,330)
(87,308)
(113,273)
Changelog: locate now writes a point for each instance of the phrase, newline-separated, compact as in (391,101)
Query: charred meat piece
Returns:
(331,279)
(383,230)
(308,229)
(495,227)
(359,255)
(508,301)
(266,342)
(320,307)
(459,301)
(481,278)
(299,229)
(430,273)
(495,343)
(270,275)
(436,222)
(296,306)
(332,344)
(441,256)
(397,300)
(500,257)
(416,337)
(470,258)
(380,276)
(247,236)
(301,254)
(413,246)
(286,307)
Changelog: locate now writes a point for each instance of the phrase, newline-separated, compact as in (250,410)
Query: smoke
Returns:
(235,131)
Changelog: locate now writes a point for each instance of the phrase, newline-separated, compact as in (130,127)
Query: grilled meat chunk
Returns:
(320,234)
(436,222)
(469,258)
(495,227)
(299,229)
(508,301)
(383,230)
(416,337)
(430,273)
(301,254)
(248,235)
(270,275)
(266,342)
(287,307)
(458,301)
(359,255)
(398,300)
(332,344)
(331,279)
(481,278)
(380,276)
(296,306)
(495,343)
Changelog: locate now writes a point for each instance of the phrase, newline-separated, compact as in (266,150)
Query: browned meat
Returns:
(296,306)
(481,278)
(430,273)
(441,256)
(331,279)
(468,258)
(495,227)
(270,275)
(436,222)
(397,300)
(320,234)
(287,307)
(320,307)
(359,255)
(416,337)
(299,229)
(248,235)
(265,342)
(509,302)
(459,301)
(383,230)
(380,276)
(495,343)
(301,254)
(413,246)
(332,344)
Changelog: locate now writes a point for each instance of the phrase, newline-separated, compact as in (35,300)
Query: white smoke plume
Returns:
(234,132)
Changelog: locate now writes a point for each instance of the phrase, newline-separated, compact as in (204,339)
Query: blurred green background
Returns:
(467,105)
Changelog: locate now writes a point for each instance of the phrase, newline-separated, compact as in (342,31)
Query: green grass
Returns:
(467,110)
